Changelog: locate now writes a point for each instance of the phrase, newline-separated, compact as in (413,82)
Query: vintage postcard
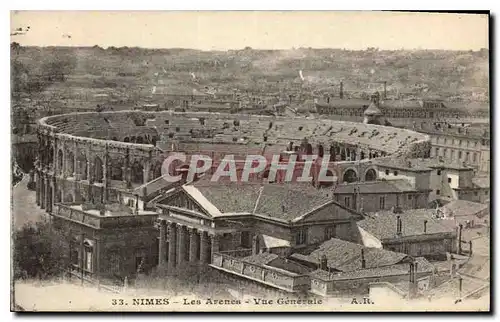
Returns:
(250,161)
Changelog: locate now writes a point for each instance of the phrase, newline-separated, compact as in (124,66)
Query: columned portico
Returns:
(172,245)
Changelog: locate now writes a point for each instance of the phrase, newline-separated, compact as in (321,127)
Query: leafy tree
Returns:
(38,251)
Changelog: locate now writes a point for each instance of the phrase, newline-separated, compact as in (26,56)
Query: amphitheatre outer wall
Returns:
(92,156)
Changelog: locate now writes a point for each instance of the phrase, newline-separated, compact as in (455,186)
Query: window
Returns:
(486,192)
(475,193)
(387,172)
(395,173)
(474,157)
(330,232)
(382,203)
(410,197)
(439,172)
(301,237)
(347,202)
(459,154)
(460,142)
(449,180)
(438,192)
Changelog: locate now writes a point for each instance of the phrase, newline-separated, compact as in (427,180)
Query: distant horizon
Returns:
(260,30)
(244,48)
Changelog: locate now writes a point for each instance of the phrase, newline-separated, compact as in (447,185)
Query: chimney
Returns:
(341,95)
(385,90)
(425,226)
(363,262)
(460,227)
(460,285)
(323,263)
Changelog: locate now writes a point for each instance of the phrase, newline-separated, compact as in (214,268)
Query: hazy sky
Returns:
(235,30)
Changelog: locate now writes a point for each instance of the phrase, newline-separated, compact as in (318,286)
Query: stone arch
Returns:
(325,184)
(137,172)
(321,151)
(370,175)
(156,169)
(68,197)
(117,169)
(98,170)
(71,163)
(82,166)
(350,175)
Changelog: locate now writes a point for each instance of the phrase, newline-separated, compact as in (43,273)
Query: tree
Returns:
(38,251)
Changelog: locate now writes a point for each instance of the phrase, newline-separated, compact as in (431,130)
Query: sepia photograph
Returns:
(250,161)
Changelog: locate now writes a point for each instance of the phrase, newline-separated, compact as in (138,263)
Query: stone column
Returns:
(64,161)
(105,176)
(172,245)
(54,156)
(146,169)
(162,260)
(181,245)
(37,183)
(215,245)
(76,171)
(204,247)
(47,194)
(193,245)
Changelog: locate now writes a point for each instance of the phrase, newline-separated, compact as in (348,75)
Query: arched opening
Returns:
(127,139)
(332,153)
(342,155)
(321,151)
(60,161)
(68,198)
(156,169)
(370,175)
(98,170)
(326,184)
(362,155)
(137,172)
(82,166)
(139,140)
(117,169)
(308,149)
(350,176)
(71,163)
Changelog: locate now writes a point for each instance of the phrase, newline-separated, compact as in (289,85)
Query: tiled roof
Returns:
(420,164)
(346,256)
(390,270)
(465,207)
(383,224)
(381,186)
(477,266)
(451,288)
(481,182)
(285,202)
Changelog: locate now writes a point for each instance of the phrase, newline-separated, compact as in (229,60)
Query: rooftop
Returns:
(420,164)
(383,224)
(390,270)
(464,208)
(280,201)
(481,182)
(346,256)
(379,186)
